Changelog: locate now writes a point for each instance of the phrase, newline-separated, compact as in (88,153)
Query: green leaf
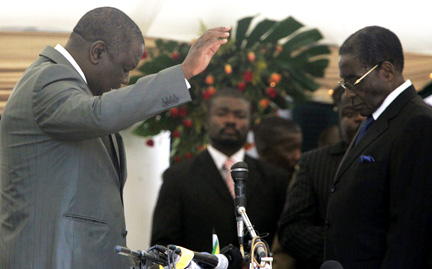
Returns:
(256,34)
(242,27)
(310,52)
(302,39)
(161,62)
(304,81)
(134,79)
(283,29)
(317,68)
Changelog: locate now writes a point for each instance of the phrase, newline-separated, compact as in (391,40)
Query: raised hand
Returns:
(203,49)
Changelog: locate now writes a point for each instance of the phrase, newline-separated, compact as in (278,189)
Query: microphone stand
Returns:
(257,244)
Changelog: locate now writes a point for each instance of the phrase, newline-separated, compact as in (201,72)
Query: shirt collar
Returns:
(219,158)
(390,98)
(69,57)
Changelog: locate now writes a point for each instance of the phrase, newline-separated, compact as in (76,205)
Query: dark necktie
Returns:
(368,122)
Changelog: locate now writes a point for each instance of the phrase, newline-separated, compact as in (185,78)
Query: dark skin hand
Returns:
(203,49)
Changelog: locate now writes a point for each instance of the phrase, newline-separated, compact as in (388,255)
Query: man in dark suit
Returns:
(301,226)
(194,198)
(379,213)
(62,162)
(278,141)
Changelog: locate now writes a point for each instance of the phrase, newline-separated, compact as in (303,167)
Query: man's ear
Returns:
(388,70)
(97,51)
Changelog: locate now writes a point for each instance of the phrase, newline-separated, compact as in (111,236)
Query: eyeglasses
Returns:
(348,86)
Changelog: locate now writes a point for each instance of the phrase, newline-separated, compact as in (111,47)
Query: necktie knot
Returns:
(228,163)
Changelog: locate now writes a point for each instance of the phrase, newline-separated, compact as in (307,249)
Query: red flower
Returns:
(241,86)
(175,134)
(251,56)
(209,80)
(208,93)
(174,112)
(175,56)
(275,78)
(144,55)
(187,123)
(271,92)
(183,111)
(150,142)
(189,155)
(279,48)
(264,103)
(177,159)
(248,76)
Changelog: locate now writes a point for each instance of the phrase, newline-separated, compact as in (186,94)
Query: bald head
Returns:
(110,25)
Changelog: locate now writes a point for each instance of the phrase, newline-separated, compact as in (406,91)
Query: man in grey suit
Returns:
(379,213)
(62,161)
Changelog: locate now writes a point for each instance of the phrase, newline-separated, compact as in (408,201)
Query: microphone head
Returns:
(239,171)
(239,166)
(330,264)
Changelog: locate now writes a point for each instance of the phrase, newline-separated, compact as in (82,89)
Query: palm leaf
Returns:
(256,34)
(242,27)
(283,29)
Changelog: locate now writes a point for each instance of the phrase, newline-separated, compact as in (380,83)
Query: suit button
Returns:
(125,232)
(326,224)
(333,188)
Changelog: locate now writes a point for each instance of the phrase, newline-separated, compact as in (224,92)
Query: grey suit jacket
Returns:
(61,203)
(379,213)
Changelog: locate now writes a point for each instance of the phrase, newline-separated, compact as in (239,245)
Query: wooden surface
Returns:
(19,49)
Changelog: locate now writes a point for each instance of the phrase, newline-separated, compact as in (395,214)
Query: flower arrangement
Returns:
(271,63)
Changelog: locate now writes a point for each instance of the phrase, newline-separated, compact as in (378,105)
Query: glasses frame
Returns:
(345,85)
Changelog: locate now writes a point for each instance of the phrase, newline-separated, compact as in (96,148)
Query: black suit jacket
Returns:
(301,226)
(380,212)
(194,200)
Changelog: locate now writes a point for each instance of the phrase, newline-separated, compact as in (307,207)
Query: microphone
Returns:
(330,264)
(218,261)
(141,255)
(239,173)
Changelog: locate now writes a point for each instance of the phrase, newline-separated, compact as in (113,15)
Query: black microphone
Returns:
(218,261)
(239,173)
(330,264)
(141,255)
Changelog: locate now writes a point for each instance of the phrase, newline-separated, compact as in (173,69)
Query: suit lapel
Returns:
(374,131)
(208,171)
(121,157)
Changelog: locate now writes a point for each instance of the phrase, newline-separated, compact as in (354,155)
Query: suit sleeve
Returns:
(298,234)
(166,227)
(409,238)
(64,108)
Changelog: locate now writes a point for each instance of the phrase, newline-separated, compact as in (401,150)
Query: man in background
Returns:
(301,226)
(379,212)
(278,141)
(62,160)
(197,195)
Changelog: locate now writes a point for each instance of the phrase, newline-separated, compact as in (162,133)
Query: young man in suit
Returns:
(62,164)
(194,198)
(380,207)
(278,141)
(301,226)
